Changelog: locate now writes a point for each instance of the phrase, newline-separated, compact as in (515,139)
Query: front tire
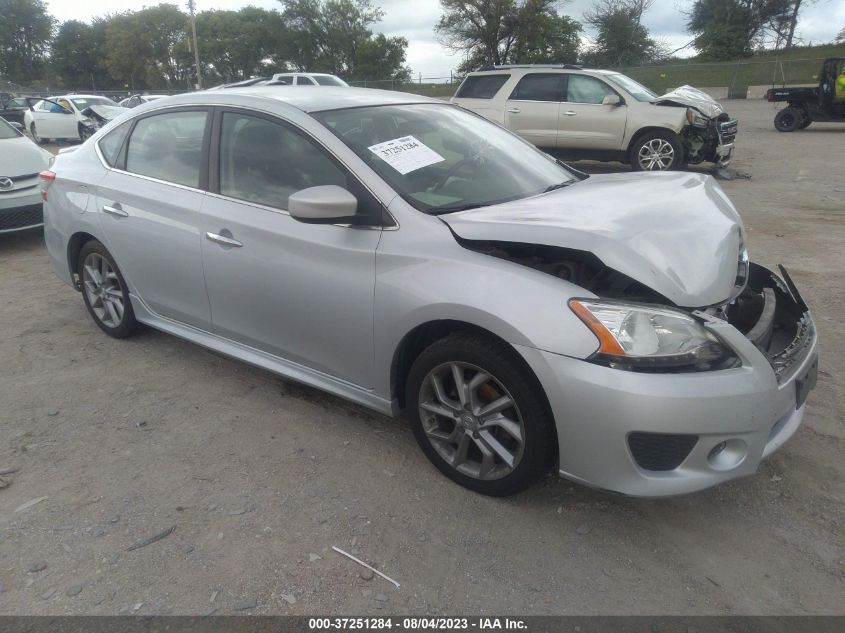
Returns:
(656,151)
(788,120)
(105,292)
(35,137)
(85,133)
(478,416)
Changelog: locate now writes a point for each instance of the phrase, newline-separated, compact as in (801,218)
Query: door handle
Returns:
(514,110)
(570,113)
(222,239)
(115,210)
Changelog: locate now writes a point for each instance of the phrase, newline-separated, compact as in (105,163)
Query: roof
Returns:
(545,67)
(318,98)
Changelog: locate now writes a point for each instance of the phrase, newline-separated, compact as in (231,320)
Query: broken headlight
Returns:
(641,337)
(695,118)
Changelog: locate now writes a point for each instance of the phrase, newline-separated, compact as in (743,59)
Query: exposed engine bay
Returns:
(578,267)
(768,311)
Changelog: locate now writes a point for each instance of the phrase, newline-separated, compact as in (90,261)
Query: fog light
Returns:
(727,454)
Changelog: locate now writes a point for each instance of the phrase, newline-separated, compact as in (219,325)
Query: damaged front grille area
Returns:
(775,320)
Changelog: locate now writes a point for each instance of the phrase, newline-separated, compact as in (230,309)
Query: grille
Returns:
(21,217)
(727,131)
(660,451)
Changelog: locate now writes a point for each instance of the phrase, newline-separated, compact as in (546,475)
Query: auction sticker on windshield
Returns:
(406,154)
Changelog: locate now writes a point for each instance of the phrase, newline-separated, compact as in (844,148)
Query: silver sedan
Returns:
(417,259)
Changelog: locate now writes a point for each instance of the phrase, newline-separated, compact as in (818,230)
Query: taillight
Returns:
(47,177)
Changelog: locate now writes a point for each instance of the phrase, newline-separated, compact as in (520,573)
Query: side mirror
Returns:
(612,100)
(327,204)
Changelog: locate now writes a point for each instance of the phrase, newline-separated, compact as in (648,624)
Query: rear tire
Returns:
(656,151)
(788,119)
(104,291)
(35,137)
(498,438)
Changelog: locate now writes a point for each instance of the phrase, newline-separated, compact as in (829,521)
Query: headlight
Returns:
(641,337)
(695,118)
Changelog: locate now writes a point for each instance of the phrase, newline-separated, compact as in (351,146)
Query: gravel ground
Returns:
(116,442)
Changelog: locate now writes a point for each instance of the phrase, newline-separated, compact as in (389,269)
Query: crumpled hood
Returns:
(693,98)
(105,113)
(675,232)
(19,157)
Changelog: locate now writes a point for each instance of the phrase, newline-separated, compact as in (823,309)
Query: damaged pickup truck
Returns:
(418,259)
(576,113)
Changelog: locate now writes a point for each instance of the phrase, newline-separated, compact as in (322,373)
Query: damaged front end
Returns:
(97,116)
(710,133)
(772,315)
(766,309)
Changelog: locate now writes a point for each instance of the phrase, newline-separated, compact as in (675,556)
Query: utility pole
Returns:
(191,10)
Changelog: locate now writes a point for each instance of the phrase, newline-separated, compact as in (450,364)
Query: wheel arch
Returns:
(74,247)
(420,337)
(648,130)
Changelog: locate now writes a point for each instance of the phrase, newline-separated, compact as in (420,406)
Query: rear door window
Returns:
(540,87)
(168,147)
(481,86)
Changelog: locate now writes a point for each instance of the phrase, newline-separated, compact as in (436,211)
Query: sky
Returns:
(415,19)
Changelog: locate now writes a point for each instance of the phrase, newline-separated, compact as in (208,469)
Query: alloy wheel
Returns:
(471,420)
(103,290)
(657,154)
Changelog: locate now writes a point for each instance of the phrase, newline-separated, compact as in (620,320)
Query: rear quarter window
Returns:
(481,86)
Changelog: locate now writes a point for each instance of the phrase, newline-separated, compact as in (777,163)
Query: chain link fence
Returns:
(724,80)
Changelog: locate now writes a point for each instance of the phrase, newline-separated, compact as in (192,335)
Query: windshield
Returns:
(6,130)
(82,103)
(636,89)
(441,158)
(328,80)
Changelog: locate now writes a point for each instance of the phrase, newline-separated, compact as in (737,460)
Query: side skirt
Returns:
(279,366)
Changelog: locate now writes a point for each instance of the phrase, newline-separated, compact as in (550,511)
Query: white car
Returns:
(62,117)
(21,161)
(310,79)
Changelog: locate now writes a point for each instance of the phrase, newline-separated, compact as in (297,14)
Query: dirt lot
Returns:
(122,440)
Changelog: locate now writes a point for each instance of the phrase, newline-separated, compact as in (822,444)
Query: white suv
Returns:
(575,113)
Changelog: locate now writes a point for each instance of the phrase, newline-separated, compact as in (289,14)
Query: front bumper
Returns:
(20,208)
(621,430)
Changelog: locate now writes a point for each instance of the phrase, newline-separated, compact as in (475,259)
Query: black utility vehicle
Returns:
(825,102)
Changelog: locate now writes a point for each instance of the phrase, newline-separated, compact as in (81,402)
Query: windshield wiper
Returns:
(559,185)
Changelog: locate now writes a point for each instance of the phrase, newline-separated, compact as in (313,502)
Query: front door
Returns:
(149,209)
(303,292)
(532,109)
(55,120)
(587,124)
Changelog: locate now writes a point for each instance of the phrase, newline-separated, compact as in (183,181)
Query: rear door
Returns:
(587,124)
(532,111)
(149,210)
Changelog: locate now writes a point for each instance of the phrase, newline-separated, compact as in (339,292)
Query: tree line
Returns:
(535,31)
(152,47)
